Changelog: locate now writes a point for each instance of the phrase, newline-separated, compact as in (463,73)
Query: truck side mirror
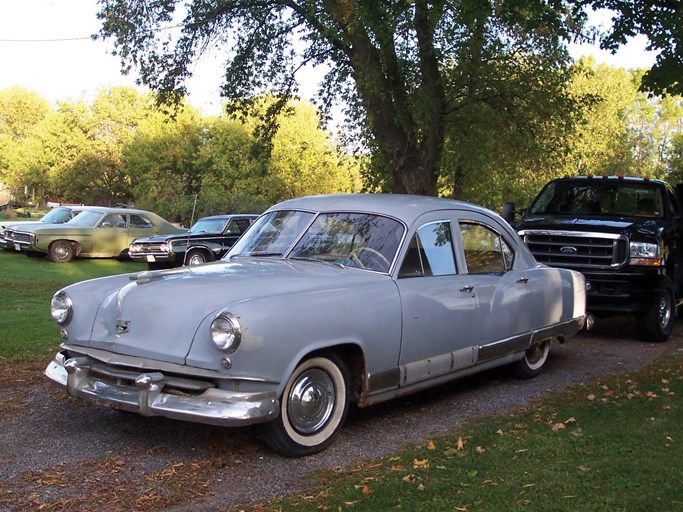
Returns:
(508,211)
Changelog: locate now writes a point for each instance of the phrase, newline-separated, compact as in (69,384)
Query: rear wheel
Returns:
(533,361)
(61,251)
(657,324)
(313,407)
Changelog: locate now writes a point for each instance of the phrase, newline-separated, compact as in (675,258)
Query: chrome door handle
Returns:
(523,280)
(467,289)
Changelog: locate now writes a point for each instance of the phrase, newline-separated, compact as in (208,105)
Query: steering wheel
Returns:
(383,263)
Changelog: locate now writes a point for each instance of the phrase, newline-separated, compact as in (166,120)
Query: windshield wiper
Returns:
(264,253)
(304,258)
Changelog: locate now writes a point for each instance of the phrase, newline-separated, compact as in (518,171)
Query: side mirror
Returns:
(508,211)
(106,225)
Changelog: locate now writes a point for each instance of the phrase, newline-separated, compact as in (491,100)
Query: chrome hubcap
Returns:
(664,310)
(62,251)
(196,259)
(311,401)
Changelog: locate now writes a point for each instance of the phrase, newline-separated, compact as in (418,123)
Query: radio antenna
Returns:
(187,244)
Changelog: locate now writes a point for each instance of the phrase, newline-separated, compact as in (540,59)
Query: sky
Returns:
(45,46)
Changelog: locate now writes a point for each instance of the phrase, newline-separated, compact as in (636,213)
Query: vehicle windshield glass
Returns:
(351,239)
(209,226)
(272,234)
(57,215)
(88,218)
(597,197)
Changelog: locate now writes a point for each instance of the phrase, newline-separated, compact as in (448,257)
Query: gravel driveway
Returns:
(65,454)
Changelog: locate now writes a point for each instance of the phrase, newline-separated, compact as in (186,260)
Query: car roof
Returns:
(627,179)
(400,206)
(230,216)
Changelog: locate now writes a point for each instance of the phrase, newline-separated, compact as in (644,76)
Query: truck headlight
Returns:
(226,332)
(134,248)
(61,308)
(645,253)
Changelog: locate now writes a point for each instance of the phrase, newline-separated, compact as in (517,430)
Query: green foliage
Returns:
(388,60)
(660,21)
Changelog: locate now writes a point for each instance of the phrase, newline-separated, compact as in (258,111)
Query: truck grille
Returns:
(577,250)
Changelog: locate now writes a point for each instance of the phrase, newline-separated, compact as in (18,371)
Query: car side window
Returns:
(138,221)
(430,252)
(485,250)
(113,220)
(237,226)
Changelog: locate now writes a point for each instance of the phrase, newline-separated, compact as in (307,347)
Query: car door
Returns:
(234,229)
(109,236)
(438,307)
(511,300)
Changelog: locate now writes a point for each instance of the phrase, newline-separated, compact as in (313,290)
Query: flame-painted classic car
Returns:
(324,301)
(208,240)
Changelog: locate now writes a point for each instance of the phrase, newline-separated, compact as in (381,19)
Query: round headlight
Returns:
(226,332)
(61,308)
(134,248)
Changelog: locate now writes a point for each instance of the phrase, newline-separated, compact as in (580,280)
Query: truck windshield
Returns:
(600,198)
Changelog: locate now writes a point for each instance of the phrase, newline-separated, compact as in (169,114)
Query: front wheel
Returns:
(61,251)
(658,322)
(312,408)
(533,361)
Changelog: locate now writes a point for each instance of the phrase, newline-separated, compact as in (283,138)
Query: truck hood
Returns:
(628,226)
(157,314)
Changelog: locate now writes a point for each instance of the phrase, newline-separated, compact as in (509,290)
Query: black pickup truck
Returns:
(624,234)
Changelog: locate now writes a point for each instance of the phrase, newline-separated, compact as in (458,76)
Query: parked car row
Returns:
(101,232)
(323,301)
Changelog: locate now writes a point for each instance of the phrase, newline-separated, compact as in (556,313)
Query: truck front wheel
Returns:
(657,324)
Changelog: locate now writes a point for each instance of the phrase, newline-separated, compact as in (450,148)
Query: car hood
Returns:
(53,229)
(156,315)
(159,239)
(628,226)
(19,225)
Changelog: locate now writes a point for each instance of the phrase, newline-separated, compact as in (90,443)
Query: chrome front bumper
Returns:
(213,406)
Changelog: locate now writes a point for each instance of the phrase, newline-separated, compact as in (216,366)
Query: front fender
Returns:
(279,331)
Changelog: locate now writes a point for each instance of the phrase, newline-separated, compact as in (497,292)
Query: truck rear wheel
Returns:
(657,324)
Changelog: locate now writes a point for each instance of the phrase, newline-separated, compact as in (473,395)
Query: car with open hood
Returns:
(96,232)
(207,240)
(324,301)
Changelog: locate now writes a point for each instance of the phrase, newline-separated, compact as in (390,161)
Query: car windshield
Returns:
(359,240)
(273,234)
(57,215)
(597,197)
(88,218)
(209,226)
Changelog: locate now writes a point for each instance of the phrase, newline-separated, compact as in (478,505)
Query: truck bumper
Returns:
(621,292)
(82,378)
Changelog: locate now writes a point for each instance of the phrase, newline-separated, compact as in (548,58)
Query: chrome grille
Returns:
(576,249)
(17,236)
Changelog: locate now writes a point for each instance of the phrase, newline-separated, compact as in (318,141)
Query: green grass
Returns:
(612,446)
(27,284)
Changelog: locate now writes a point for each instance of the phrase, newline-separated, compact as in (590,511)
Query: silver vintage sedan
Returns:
(324,301)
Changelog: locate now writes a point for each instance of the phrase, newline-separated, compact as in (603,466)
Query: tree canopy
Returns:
(389,59)
(406,69)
